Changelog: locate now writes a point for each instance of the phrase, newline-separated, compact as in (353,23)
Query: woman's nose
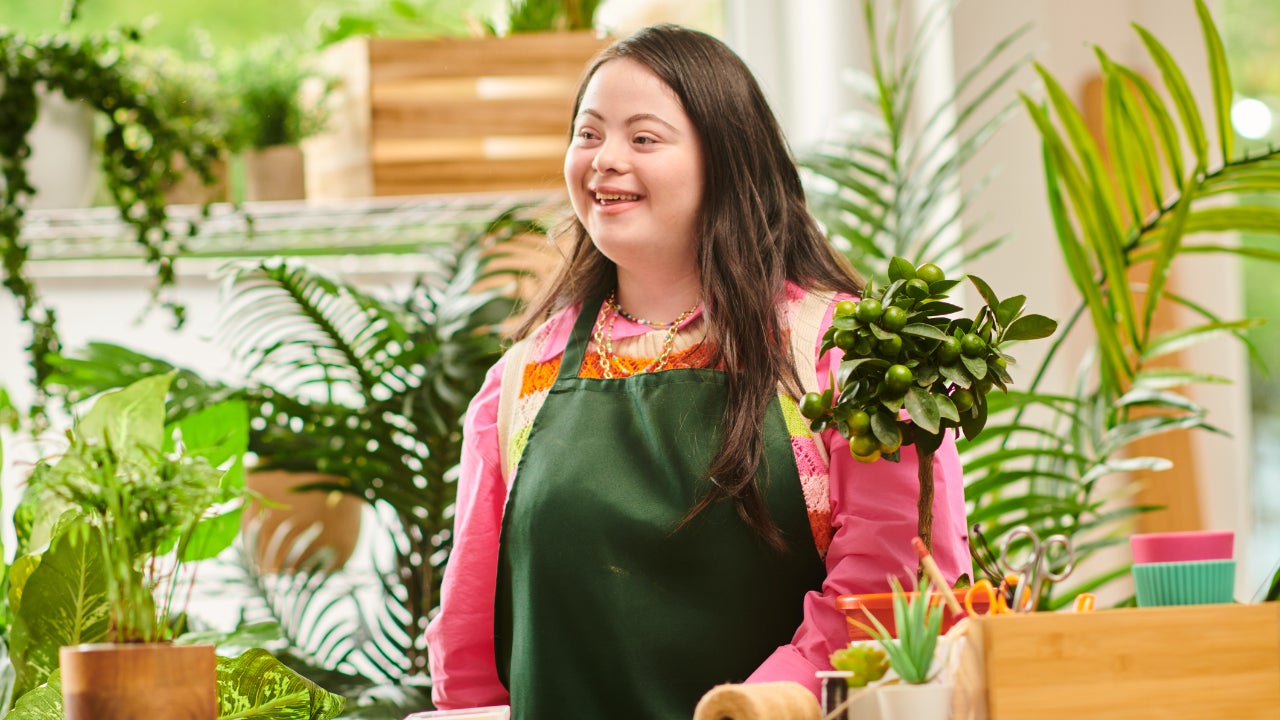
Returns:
(610,157)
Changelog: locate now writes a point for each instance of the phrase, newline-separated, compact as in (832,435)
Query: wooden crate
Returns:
(412,117)
(1171,663)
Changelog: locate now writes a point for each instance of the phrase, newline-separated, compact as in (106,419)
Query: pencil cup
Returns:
(1196,582)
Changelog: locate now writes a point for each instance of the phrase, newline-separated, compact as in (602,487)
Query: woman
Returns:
(642,512)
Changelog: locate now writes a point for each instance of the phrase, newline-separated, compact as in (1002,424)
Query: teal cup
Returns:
(1195,582)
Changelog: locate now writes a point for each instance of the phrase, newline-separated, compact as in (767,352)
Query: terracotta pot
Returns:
(127,681)
(285,537)
(274,173)
(191,190)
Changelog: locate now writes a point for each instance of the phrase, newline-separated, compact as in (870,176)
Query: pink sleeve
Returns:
(873,514)
(460,637)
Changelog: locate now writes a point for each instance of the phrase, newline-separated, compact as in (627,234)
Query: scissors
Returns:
(1037,567)
(997,599)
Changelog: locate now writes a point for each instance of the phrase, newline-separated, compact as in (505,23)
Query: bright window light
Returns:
(1251,118)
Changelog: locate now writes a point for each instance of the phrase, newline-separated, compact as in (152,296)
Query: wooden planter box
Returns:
(1172,663)
(416,117)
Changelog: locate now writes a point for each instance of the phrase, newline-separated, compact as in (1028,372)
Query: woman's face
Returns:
(634,169)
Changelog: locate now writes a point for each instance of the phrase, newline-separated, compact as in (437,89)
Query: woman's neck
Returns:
(658,297)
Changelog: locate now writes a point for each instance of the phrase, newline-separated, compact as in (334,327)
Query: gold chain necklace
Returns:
(603,337)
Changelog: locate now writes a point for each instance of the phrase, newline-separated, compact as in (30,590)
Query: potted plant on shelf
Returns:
(417,111)
(107,530)
(270,115)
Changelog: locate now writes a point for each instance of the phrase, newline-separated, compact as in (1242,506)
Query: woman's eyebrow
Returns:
(638,117)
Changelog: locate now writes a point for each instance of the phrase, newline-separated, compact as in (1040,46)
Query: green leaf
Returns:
(1008,309)
(988,295)
(1221,81)
(976,366)
(884,425)
(212,535)
(257,685)
(64,602)
(924,330)
(1031,327)
(1186,337)
(128,418)
(946,408)
(922,408)
(41,703)
(1176,83)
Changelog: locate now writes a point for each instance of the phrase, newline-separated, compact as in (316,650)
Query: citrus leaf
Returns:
(922,408)
(1031,327)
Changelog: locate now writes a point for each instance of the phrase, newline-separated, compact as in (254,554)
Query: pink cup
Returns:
(1191,545)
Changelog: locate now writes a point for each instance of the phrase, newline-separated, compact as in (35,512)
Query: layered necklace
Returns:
(603,335)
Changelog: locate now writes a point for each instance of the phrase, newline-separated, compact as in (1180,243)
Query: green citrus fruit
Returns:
(949,350)
(812,406)
(868,311)
(898,378)
(930,273)
(890,347)
(917,288)
(972,345)
(859,422)
(893,319)
(844,339)
(962,398)
(845,308)
(868,458)
(863,445)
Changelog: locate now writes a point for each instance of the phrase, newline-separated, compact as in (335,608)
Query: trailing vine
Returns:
(142,153)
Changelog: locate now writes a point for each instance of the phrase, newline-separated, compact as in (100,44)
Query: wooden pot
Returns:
(274,173)
(108,681)
(329,520)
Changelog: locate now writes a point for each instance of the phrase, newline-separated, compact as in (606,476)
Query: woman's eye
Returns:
(645,140)
(586,134)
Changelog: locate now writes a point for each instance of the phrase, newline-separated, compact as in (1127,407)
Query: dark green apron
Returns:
(603,609)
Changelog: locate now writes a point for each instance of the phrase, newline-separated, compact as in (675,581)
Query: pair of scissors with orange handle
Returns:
(995,599)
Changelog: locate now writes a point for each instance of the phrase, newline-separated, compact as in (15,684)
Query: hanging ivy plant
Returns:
(143,150)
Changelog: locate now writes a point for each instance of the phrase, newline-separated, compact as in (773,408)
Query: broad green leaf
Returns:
(212,535)
(922,408)
(946,408)
(1009,308)
(64,602)
(1221,81)
(901,269)
(129,417)
(40,703)
(257,685)
(884,426)
(976,366)
(1031,327)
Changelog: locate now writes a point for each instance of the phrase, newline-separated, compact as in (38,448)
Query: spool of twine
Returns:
(758,701)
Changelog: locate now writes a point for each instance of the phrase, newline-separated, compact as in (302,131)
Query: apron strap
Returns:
(576,350)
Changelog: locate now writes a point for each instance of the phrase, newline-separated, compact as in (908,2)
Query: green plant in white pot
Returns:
(921,691)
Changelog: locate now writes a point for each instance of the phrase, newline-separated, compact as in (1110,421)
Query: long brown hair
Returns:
(755,233)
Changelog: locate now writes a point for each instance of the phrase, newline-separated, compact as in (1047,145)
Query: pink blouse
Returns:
(873,515)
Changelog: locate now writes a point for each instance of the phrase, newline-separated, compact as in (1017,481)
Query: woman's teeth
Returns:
(614,197)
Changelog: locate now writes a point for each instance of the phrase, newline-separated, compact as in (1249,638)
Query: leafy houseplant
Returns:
(104,530)
(364,388)
(902,351)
